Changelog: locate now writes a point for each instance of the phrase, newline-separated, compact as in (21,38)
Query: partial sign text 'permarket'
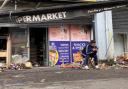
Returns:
(41,18)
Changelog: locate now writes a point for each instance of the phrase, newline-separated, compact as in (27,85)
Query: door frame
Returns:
(9,46)
(47,44)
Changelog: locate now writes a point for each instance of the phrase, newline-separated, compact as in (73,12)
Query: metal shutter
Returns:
(120,20)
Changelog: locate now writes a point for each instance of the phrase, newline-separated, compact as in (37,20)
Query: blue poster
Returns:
(59,52)
(77,47)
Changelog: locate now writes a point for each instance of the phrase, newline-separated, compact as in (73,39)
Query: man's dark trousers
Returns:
(87,57)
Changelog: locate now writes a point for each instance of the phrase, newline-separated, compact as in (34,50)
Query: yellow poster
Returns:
(54,57)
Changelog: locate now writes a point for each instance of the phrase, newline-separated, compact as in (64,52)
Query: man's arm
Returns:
(88,49)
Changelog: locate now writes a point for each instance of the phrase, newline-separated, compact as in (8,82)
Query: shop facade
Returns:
(45,45)
(52,36)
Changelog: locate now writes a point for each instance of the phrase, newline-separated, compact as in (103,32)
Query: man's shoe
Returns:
(97,67)
(85,67)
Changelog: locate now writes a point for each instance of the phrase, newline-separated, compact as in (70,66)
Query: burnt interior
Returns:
(38,46)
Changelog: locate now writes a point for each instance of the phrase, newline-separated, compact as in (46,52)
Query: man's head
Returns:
(93,43)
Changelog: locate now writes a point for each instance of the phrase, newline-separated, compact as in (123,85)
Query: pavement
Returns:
(57,78)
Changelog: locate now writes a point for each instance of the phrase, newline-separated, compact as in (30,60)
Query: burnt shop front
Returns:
(51,44)
(45,44)
(47,37)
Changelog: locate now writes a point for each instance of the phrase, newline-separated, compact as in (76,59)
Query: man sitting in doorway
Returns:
(90,51)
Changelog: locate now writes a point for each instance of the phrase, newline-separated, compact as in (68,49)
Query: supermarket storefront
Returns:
(49,37)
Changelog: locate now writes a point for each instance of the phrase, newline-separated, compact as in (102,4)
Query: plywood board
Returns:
(3,53)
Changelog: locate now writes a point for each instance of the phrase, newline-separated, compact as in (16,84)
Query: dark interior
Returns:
(38,46)
(3,44)
(3,38)
(3,41)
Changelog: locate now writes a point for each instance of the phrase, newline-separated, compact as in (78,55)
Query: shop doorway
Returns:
(38,48)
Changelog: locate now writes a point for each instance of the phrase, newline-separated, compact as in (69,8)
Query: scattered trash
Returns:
(28,65)
(2,64)
(117,63)
(103,66)
(1,69)
(71,65)
(35,64)
(122,61)
(66,66)
(18,66)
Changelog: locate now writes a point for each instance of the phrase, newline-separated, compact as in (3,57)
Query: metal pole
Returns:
(15,5)
(28,42)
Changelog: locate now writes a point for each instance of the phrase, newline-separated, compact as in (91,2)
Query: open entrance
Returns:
(38,49)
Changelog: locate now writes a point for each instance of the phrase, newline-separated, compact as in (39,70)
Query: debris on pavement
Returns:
(1,69)
(103,66)
(28,65)
(122,61)
(117,63)
(2,66)
(18,66)
(71,65)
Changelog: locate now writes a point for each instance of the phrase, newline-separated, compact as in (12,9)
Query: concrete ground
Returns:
(55,78)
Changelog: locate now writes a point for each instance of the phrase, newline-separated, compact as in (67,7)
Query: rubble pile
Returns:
(18,66)
(122,61)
